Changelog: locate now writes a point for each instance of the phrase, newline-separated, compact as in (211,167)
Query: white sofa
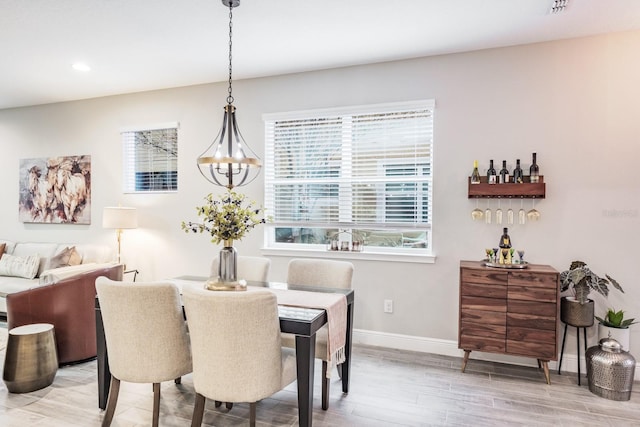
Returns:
(91,257)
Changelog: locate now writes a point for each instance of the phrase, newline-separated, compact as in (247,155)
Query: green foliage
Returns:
(227,218)
(582,280)
(615,319)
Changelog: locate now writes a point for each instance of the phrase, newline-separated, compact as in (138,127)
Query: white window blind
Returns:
(364,169)
(151,159)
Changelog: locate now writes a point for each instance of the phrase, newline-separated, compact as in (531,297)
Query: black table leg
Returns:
(564,337)
(305,358)
(346,366)
(104,374)
(578,350)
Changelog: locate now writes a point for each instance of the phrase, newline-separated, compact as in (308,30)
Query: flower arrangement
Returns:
(229,217)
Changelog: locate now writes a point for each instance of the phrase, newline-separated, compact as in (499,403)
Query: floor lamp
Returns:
(119,218)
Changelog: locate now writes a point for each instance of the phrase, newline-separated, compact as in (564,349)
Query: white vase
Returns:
(619,334)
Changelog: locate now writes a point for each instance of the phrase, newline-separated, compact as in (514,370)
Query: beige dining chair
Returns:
(236,347)
(146,336)
(252,268)
(318,273)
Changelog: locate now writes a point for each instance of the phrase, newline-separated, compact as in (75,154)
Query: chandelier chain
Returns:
(230,97)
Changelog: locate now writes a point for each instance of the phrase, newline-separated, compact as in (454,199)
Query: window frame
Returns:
(273,247)
(130,170)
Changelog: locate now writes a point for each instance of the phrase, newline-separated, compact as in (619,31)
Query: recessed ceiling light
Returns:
(81,66)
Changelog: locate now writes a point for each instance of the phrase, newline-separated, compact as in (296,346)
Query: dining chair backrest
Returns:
(320,272)
(252,268)
(236,347)
(145,331)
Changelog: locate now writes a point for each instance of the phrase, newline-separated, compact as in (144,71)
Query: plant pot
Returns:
(619,334)
(575,314)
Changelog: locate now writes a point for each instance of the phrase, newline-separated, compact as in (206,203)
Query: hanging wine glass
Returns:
(499,213)
(477,213)
(510,214)
(522,215)
(487,214)
(533,214)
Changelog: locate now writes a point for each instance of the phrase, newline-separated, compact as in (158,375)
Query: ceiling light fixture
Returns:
(558,6)
(228,161)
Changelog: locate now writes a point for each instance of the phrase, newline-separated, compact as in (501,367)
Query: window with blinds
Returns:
(151,159)
(360,171)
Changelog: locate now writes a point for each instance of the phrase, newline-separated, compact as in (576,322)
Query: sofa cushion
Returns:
(95,253)
(43,250)
(9,246)
(26,267)
(68,256)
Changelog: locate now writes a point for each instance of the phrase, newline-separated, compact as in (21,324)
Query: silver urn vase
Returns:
(227,279)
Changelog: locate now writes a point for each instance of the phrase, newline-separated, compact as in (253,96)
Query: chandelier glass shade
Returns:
(229,161)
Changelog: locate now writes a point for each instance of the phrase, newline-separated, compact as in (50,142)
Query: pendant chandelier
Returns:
(228,161)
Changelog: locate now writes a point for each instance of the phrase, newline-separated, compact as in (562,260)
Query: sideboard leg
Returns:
(465,359)
(545,367)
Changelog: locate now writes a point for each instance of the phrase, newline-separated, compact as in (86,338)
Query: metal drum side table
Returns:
(610,370)
(31,359)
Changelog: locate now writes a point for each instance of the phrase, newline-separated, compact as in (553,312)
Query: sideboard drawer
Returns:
(491,345)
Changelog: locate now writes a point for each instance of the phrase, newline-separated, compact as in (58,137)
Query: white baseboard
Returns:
(450,348)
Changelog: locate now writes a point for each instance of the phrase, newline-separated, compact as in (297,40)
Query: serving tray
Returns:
(519,266)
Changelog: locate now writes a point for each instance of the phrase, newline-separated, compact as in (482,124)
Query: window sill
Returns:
(366,255)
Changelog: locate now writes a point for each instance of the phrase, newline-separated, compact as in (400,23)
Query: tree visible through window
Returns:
(365,171)
(150,160)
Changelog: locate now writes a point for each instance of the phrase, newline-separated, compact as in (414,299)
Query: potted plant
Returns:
(226,218)
(579,310)
(615,326)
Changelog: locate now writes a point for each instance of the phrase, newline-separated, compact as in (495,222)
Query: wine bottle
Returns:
(534,171)
(475,175)
(517,173)
(505,247)
(491,173)
(504,173)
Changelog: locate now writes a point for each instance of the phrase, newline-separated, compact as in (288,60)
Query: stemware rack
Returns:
(526,189)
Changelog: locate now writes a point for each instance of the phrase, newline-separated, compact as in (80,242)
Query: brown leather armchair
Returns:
(69,306)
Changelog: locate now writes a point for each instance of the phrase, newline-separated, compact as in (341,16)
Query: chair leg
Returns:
(339,369)
(218,403)
(113,400)
(178,380)
(229,405)
(252,414)
(156,404)
(198,410)
(325,386)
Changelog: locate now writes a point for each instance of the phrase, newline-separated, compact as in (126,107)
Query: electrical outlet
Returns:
(388,306)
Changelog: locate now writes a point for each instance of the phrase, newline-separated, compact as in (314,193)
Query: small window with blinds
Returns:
(364,172)
(151,159)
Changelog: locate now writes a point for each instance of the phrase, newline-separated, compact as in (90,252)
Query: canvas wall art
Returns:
(55,190)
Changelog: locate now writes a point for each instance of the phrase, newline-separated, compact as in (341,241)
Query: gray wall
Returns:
(573,102)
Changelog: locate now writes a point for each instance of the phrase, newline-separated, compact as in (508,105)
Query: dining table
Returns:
(303,322)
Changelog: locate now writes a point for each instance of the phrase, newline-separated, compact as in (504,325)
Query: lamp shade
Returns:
(119,217)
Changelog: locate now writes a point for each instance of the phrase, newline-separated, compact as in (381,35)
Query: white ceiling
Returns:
(139,45)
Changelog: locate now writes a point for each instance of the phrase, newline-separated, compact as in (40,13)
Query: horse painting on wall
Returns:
(55,190)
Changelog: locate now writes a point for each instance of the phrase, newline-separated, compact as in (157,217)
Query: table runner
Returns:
(336,307)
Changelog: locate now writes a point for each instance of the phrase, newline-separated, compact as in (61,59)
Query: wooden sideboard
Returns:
(509,311)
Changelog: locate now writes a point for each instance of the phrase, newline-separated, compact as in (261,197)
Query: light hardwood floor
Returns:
(389,388)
